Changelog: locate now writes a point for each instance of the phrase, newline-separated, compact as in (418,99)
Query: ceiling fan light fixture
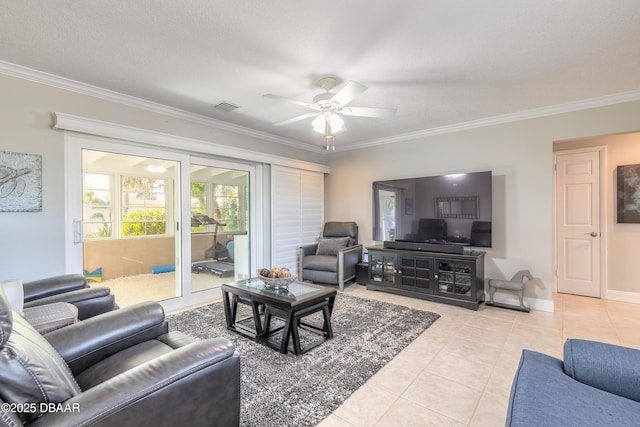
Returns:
(319,123)
(330,142)
(329,138)
(329,107)
(335,122)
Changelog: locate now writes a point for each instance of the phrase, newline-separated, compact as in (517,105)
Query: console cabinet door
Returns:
(382,268)
(455,278)
(416,274)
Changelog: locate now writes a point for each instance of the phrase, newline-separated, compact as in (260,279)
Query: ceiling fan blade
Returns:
(291,100)
(383,113)
(348,93)
(295,119)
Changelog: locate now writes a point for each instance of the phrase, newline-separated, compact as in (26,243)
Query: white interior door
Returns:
(578,223)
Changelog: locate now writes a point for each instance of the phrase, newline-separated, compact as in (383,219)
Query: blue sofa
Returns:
(597,384)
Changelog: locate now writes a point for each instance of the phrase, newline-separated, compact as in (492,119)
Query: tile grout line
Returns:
(484,388)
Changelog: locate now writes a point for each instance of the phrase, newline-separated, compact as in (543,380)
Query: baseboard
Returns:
(532,303)
(623,296)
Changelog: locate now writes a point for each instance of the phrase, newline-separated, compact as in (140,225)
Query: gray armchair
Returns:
(334,258)
(121,368)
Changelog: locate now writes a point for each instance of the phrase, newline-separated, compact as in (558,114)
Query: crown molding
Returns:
(108,95)
(131,101)
(586,104)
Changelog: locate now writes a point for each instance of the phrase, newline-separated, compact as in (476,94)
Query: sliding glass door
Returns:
(219,223)
(130,212)
(157,225)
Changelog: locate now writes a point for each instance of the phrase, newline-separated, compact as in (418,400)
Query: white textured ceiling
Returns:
(439,63)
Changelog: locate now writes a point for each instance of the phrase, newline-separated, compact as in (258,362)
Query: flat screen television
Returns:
(448,209)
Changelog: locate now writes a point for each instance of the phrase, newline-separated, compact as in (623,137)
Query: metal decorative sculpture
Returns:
(515,284)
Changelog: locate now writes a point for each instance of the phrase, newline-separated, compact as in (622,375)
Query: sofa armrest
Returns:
(604,366)
(303,251)
(53,285)
(356,249)
(198,384)
(350,257)
(90,301)
(85,343)
(306,250)
(543,395)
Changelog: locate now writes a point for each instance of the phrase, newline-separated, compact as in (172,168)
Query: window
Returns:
(142,202)
(98,210)
(198,205)
(143,206)
(228,205)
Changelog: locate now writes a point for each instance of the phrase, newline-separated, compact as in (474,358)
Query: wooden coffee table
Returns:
(291,305)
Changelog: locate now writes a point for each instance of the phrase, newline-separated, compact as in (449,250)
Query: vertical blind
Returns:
(297,213)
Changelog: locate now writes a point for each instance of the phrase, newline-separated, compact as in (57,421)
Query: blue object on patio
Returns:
(163,269)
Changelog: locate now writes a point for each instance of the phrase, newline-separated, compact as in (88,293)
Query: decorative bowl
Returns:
(277,283)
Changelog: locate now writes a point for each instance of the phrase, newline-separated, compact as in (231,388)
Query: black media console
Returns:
(447,273)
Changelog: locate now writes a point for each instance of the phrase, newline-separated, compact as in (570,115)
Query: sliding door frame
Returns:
(75,127)
(74,252)
(254,229)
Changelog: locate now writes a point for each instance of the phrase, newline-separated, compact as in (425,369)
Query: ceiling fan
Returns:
(328,107)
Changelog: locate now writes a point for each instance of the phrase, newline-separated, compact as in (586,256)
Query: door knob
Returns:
(592,234)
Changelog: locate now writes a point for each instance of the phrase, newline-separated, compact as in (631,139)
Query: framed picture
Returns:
(20,182)
(408,206)
(457,207)
(628,193)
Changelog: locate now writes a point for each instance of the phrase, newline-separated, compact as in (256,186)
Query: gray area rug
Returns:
(288,390)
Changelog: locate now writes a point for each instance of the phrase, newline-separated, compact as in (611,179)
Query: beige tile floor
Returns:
(459,371)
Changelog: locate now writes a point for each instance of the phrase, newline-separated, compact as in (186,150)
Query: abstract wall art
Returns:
(628,193)
(20,182)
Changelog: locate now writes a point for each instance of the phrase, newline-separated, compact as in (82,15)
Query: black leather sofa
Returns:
(70,288)
(121,368)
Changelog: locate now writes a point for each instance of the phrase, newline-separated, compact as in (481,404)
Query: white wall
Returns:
(520,156)
(32,244)
(623,240)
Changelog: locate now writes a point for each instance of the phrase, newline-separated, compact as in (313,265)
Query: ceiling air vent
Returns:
(225,106)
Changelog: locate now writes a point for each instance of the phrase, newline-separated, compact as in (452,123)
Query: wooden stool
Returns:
(293,321)
(256,308)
